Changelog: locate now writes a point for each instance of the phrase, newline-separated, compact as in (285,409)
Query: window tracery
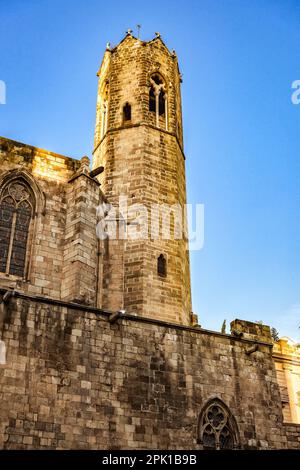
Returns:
(217,427)
(16,213)
(158,103)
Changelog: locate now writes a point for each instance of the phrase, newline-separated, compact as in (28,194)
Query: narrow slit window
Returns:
(161,266)
(161,103)
(127,113)
(152,101)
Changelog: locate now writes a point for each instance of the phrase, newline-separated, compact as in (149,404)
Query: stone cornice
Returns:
(140,124)
(130,317)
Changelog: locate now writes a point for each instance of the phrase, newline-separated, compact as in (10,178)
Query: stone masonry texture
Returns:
(74,380)
(97,351)
(146,164)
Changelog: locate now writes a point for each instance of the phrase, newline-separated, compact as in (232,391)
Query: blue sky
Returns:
(238,59)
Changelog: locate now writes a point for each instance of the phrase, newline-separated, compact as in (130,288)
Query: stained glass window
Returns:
(16,212)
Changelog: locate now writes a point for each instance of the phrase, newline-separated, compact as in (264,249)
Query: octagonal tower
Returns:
(139,142)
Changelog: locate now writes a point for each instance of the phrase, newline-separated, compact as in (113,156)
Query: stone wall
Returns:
(72,379)
(63,249)
(293,435)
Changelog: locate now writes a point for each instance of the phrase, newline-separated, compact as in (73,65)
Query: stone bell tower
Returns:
(138,141)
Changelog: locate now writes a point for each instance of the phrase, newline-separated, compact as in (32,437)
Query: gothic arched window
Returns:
(158,99)
(161,266)
(217,427)
(16,214)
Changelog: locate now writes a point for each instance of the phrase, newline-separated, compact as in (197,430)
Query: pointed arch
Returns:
(30,181)
(157,76)
(158,99)
(217,427)
(21,200)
